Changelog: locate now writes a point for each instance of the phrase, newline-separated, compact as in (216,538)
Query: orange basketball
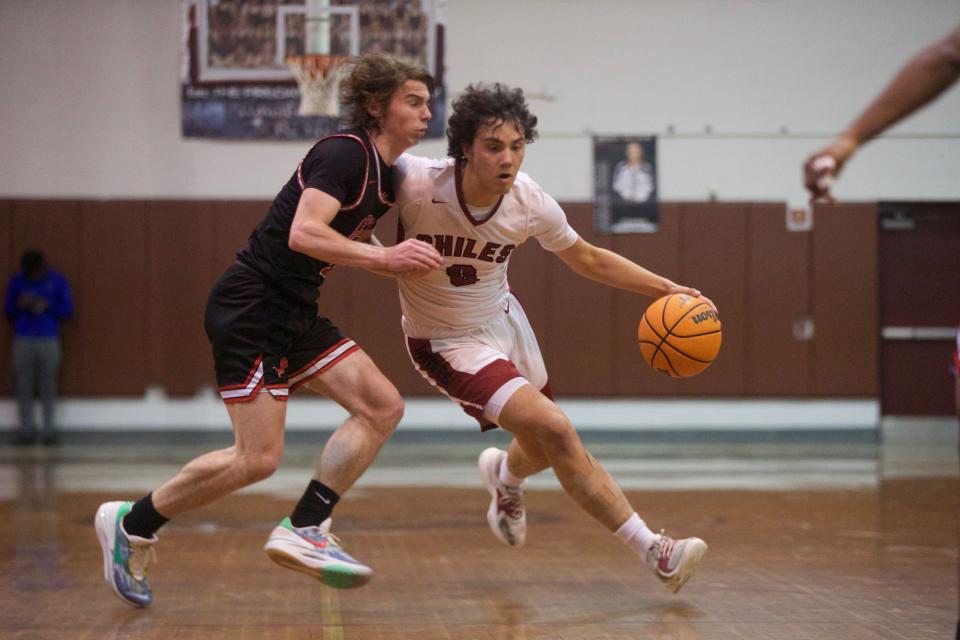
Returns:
(679,335)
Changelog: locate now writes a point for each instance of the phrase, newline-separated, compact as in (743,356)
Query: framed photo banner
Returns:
(625,184)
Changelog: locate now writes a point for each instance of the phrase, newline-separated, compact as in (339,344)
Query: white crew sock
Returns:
(637,535)
(506,477)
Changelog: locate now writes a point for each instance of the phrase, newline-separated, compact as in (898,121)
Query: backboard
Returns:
(237,41)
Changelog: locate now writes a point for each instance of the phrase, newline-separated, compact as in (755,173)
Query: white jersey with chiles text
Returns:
(471,288)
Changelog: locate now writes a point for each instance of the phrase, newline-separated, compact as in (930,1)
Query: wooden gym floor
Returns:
(874,557)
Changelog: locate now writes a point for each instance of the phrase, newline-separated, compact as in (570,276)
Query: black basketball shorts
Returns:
(264,340)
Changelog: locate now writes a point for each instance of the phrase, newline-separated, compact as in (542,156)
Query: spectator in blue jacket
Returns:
(37,300)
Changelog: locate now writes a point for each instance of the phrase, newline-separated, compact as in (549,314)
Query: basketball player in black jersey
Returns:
(270,337)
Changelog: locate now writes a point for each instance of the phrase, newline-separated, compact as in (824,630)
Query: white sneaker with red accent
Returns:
(675,561)
(507,515)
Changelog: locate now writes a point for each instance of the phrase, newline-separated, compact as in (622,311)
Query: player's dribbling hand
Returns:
(412,255)
(694,293)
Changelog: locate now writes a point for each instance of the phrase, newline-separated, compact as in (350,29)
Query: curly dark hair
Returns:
(483,105)
(373,80)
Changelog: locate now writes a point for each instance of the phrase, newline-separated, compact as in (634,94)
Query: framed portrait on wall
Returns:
(625,184)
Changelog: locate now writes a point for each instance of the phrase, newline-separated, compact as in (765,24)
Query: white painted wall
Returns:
(90,103)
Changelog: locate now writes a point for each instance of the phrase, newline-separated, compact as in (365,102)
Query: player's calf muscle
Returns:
(600,496)
(594,489)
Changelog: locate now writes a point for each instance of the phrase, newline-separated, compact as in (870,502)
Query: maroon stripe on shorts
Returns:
(475,388)
(547,391)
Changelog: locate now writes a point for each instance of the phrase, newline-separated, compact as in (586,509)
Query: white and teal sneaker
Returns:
(125,557)
(316,552)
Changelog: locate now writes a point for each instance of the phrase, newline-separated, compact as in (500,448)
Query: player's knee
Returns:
(260,465)
(395,413)
(385,414)
(557,435)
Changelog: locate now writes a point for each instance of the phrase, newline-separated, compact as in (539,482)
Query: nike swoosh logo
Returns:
(435,201)
(322,499)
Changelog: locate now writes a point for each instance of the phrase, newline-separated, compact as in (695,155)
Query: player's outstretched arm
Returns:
(921,80)
(312,235)
(613,270)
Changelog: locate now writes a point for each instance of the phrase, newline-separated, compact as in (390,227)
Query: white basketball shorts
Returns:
(482,370)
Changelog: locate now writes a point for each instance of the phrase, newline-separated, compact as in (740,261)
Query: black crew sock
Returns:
(143,519)
(315,506)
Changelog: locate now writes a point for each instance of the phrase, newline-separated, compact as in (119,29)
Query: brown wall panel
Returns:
(919,266)
(9,261)
(233,221)
(580,320)
(713,260)
(659,252)
(9,265)
(845,306)
(914,378)
(180,274)
(778,293)
(919,286)
(740,255)
(53,226)
(111,283)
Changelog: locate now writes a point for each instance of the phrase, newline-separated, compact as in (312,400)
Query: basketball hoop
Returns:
(318,77)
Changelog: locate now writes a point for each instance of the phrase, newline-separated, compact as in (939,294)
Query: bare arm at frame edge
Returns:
(922,79)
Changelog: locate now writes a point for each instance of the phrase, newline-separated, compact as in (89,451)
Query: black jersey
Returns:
(345,165)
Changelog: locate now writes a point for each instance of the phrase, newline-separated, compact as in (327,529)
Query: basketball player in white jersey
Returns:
(468,335)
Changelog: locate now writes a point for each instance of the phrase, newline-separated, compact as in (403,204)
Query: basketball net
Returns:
(318,77)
